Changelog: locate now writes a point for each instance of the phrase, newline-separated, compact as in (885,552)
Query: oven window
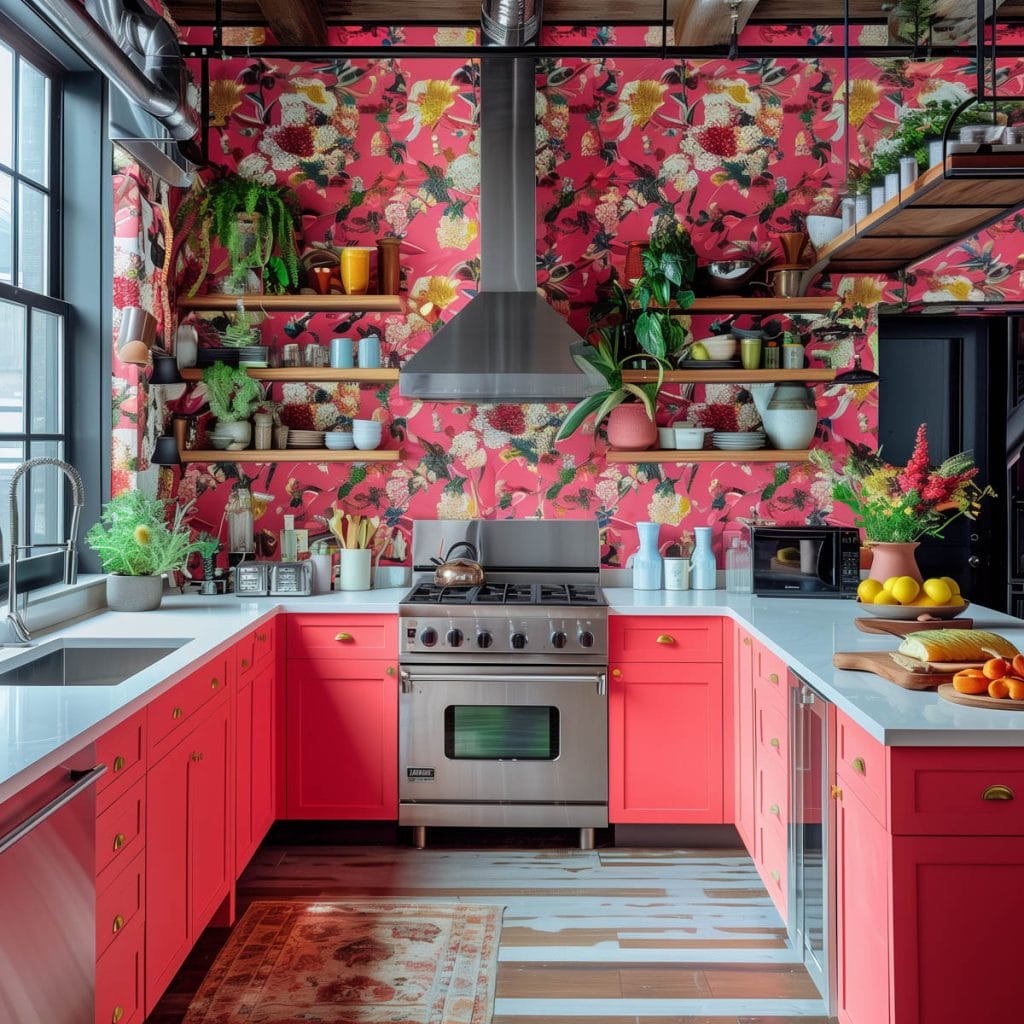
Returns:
(500,732)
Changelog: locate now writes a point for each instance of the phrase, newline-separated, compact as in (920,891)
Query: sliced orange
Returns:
(999,689)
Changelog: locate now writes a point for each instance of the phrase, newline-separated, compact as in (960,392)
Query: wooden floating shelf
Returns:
(292,455)
(817,304)
(310,374)
(931,214)
(297,303)
(738,376)
(708,455)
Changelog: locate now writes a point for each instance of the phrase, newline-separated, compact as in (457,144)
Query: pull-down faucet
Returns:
(13,631)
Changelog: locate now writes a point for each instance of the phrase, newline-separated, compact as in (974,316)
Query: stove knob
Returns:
(585,638)
(558,639)
(428,637)
(518,641)
(484,639)
(454,638)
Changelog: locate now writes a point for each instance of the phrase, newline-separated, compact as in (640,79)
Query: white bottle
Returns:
(738,568)
(289,542)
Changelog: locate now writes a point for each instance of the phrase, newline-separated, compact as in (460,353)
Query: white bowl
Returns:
(667,437)
(366,444)
(691,438)
(790,429)
(720,346)
(822,230)
(339,440)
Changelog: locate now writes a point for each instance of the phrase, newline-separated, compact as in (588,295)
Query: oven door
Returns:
(487,736)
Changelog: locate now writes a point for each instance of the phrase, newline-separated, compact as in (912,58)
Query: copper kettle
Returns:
(459,572)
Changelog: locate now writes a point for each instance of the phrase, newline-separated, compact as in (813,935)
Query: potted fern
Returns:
(254,222)
(232,395)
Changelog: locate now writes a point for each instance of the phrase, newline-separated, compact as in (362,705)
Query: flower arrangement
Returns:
(134,537)
(901,504)
(231,392)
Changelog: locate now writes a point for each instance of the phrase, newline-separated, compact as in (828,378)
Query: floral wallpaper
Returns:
(737,151)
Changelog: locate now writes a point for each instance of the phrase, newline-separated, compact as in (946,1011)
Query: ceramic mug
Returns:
(342,353)
(369,352)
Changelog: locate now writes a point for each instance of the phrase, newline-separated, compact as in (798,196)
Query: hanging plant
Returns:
(255,223)
(231,392)
(669,265)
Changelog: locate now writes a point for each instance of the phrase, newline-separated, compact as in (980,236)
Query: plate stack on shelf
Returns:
(305,439)
(738,441)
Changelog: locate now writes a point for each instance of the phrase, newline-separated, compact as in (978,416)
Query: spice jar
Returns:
(771,355)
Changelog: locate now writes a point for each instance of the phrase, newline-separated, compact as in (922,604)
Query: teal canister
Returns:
(647,561)
(703,569)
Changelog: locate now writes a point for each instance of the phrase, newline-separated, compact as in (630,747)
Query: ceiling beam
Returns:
(709,22)
(295,23)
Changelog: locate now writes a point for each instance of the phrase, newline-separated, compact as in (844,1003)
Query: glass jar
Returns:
(240,522)
(738,567)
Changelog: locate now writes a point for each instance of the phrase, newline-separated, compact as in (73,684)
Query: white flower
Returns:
(464,443)
(464,173)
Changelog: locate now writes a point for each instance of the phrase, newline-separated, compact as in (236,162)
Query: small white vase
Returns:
(134,593)
(239,430)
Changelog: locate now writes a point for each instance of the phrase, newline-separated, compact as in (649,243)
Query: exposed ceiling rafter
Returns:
(295,23)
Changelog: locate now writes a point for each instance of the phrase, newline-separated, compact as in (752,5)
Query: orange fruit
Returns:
(999,689)
(996,668)
(1018,665)
(1016,687)
(970,681)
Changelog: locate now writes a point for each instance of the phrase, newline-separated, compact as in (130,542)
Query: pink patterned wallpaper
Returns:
(738,151)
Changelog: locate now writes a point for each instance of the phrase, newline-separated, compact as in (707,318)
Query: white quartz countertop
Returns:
(42,725)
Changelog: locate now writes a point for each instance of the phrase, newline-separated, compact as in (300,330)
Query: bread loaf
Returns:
(956,645)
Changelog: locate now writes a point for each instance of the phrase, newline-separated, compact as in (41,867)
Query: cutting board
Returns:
(903,627)
(880,663)
(978,700)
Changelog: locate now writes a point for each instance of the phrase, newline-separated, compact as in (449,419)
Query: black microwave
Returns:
(805,561)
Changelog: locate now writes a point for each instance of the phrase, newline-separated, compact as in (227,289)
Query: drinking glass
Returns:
(750,353)
(355,270)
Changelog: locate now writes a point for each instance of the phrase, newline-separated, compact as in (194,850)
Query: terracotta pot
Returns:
(893,560)
(630,428)
(634,267)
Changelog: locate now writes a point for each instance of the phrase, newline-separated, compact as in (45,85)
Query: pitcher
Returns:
(647,563)
(704,569)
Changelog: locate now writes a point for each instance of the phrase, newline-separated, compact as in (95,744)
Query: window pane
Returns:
(6,106)
(47,393)
(33,123)
(45,516)
(12,455)
(33,240)
(12,370)
(6,229)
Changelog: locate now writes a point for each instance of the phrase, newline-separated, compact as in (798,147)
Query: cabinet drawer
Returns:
(119,902)
(120,832)
(969,792)
(348,636)
(773,862)
(772,797)
(255,651)
(171,710)
(123,751)
(771,731)
(119,978)
(861,766)
(770,672)
(265,641)
(244,653)
(677,638)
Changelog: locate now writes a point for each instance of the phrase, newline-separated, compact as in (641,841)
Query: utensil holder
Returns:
(354,569)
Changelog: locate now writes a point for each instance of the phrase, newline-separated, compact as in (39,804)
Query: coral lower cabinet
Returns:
(665,742)
(342,717)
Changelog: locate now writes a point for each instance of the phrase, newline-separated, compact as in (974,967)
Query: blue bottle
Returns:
(703,569)
(647,563)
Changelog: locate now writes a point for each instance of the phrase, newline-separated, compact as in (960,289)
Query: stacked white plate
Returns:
(305,439)
(738,441)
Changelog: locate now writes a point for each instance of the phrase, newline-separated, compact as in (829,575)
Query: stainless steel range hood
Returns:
(508,344)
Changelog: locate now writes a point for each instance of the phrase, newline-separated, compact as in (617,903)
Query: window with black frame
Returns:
(33,315)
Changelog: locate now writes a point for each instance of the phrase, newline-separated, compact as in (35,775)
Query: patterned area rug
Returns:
(288,962)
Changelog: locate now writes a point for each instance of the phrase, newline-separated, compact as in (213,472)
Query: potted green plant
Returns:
(629,407)
(136,545)
(243,334)
(232,395)
(254,222)
(663,290)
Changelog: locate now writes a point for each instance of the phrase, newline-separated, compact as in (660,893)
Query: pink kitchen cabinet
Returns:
(744,738)
(342,738)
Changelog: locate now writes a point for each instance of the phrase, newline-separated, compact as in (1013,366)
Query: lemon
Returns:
(698,351)
(938,590)
(905,589)
(884,597)
(951,583)
(868,590)
(956,601)
(889,584)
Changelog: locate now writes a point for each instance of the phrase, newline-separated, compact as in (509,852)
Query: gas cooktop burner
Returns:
(507,594)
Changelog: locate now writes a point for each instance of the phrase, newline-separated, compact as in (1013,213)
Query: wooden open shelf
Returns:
(931,214)
(314,374)
(737,376)
(310,303)
(709,455)
(812,304)
(291,455)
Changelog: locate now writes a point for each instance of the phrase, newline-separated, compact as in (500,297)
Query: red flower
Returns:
(509,418)
(295,139)
(718,140)
(915,476)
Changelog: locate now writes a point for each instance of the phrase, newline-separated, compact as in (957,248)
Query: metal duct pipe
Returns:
(166,105)
(511,22)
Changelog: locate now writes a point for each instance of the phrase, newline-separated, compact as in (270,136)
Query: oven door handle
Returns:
(600,679)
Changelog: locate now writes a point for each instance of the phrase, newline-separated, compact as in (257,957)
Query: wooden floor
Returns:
(612,936)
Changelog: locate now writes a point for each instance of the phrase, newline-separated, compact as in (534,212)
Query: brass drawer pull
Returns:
(118,841)
(773,677)
(262,637)
(859,765)
(616,672)
(997,793)
(344,638)
(215,682)
(666,638)
(177,713)
(774,742)
(118,924)
(837,793)
(245,663)
(746,640)
(117,1014)
(119,763)
(775,876)
(197,755)
(774,809)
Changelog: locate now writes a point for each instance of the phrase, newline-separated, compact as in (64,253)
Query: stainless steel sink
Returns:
(84,662)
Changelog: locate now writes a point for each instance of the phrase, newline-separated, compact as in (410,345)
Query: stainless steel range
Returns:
(503,712)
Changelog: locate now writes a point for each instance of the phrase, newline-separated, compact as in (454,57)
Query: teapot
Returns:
(459,572)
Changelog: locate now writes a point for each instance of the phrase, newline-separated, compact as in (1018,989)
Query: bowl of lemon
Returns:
(903,597)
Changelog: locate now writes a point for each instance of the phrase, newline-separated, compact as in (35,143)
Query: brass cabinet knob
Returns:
(197,755)
(666,638)
(344,638)
(837,793)
(117,1014)
(859,765)
(177,713)
(262,637)
(118,924)
(775,876)
(118,841)
(774,742)
(773,677)
(119,763)
(390,670)
(774,809)
(997,793)
(747,640)
(215,682)
(616,672)
(245,663)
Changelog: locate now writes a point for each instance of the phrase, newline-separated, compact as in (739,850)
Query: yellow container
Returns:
(355,270)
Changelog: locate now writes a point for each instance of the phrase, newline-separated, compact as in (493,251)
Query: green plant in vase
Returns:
(254,222)
(232,395)
(669,266)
